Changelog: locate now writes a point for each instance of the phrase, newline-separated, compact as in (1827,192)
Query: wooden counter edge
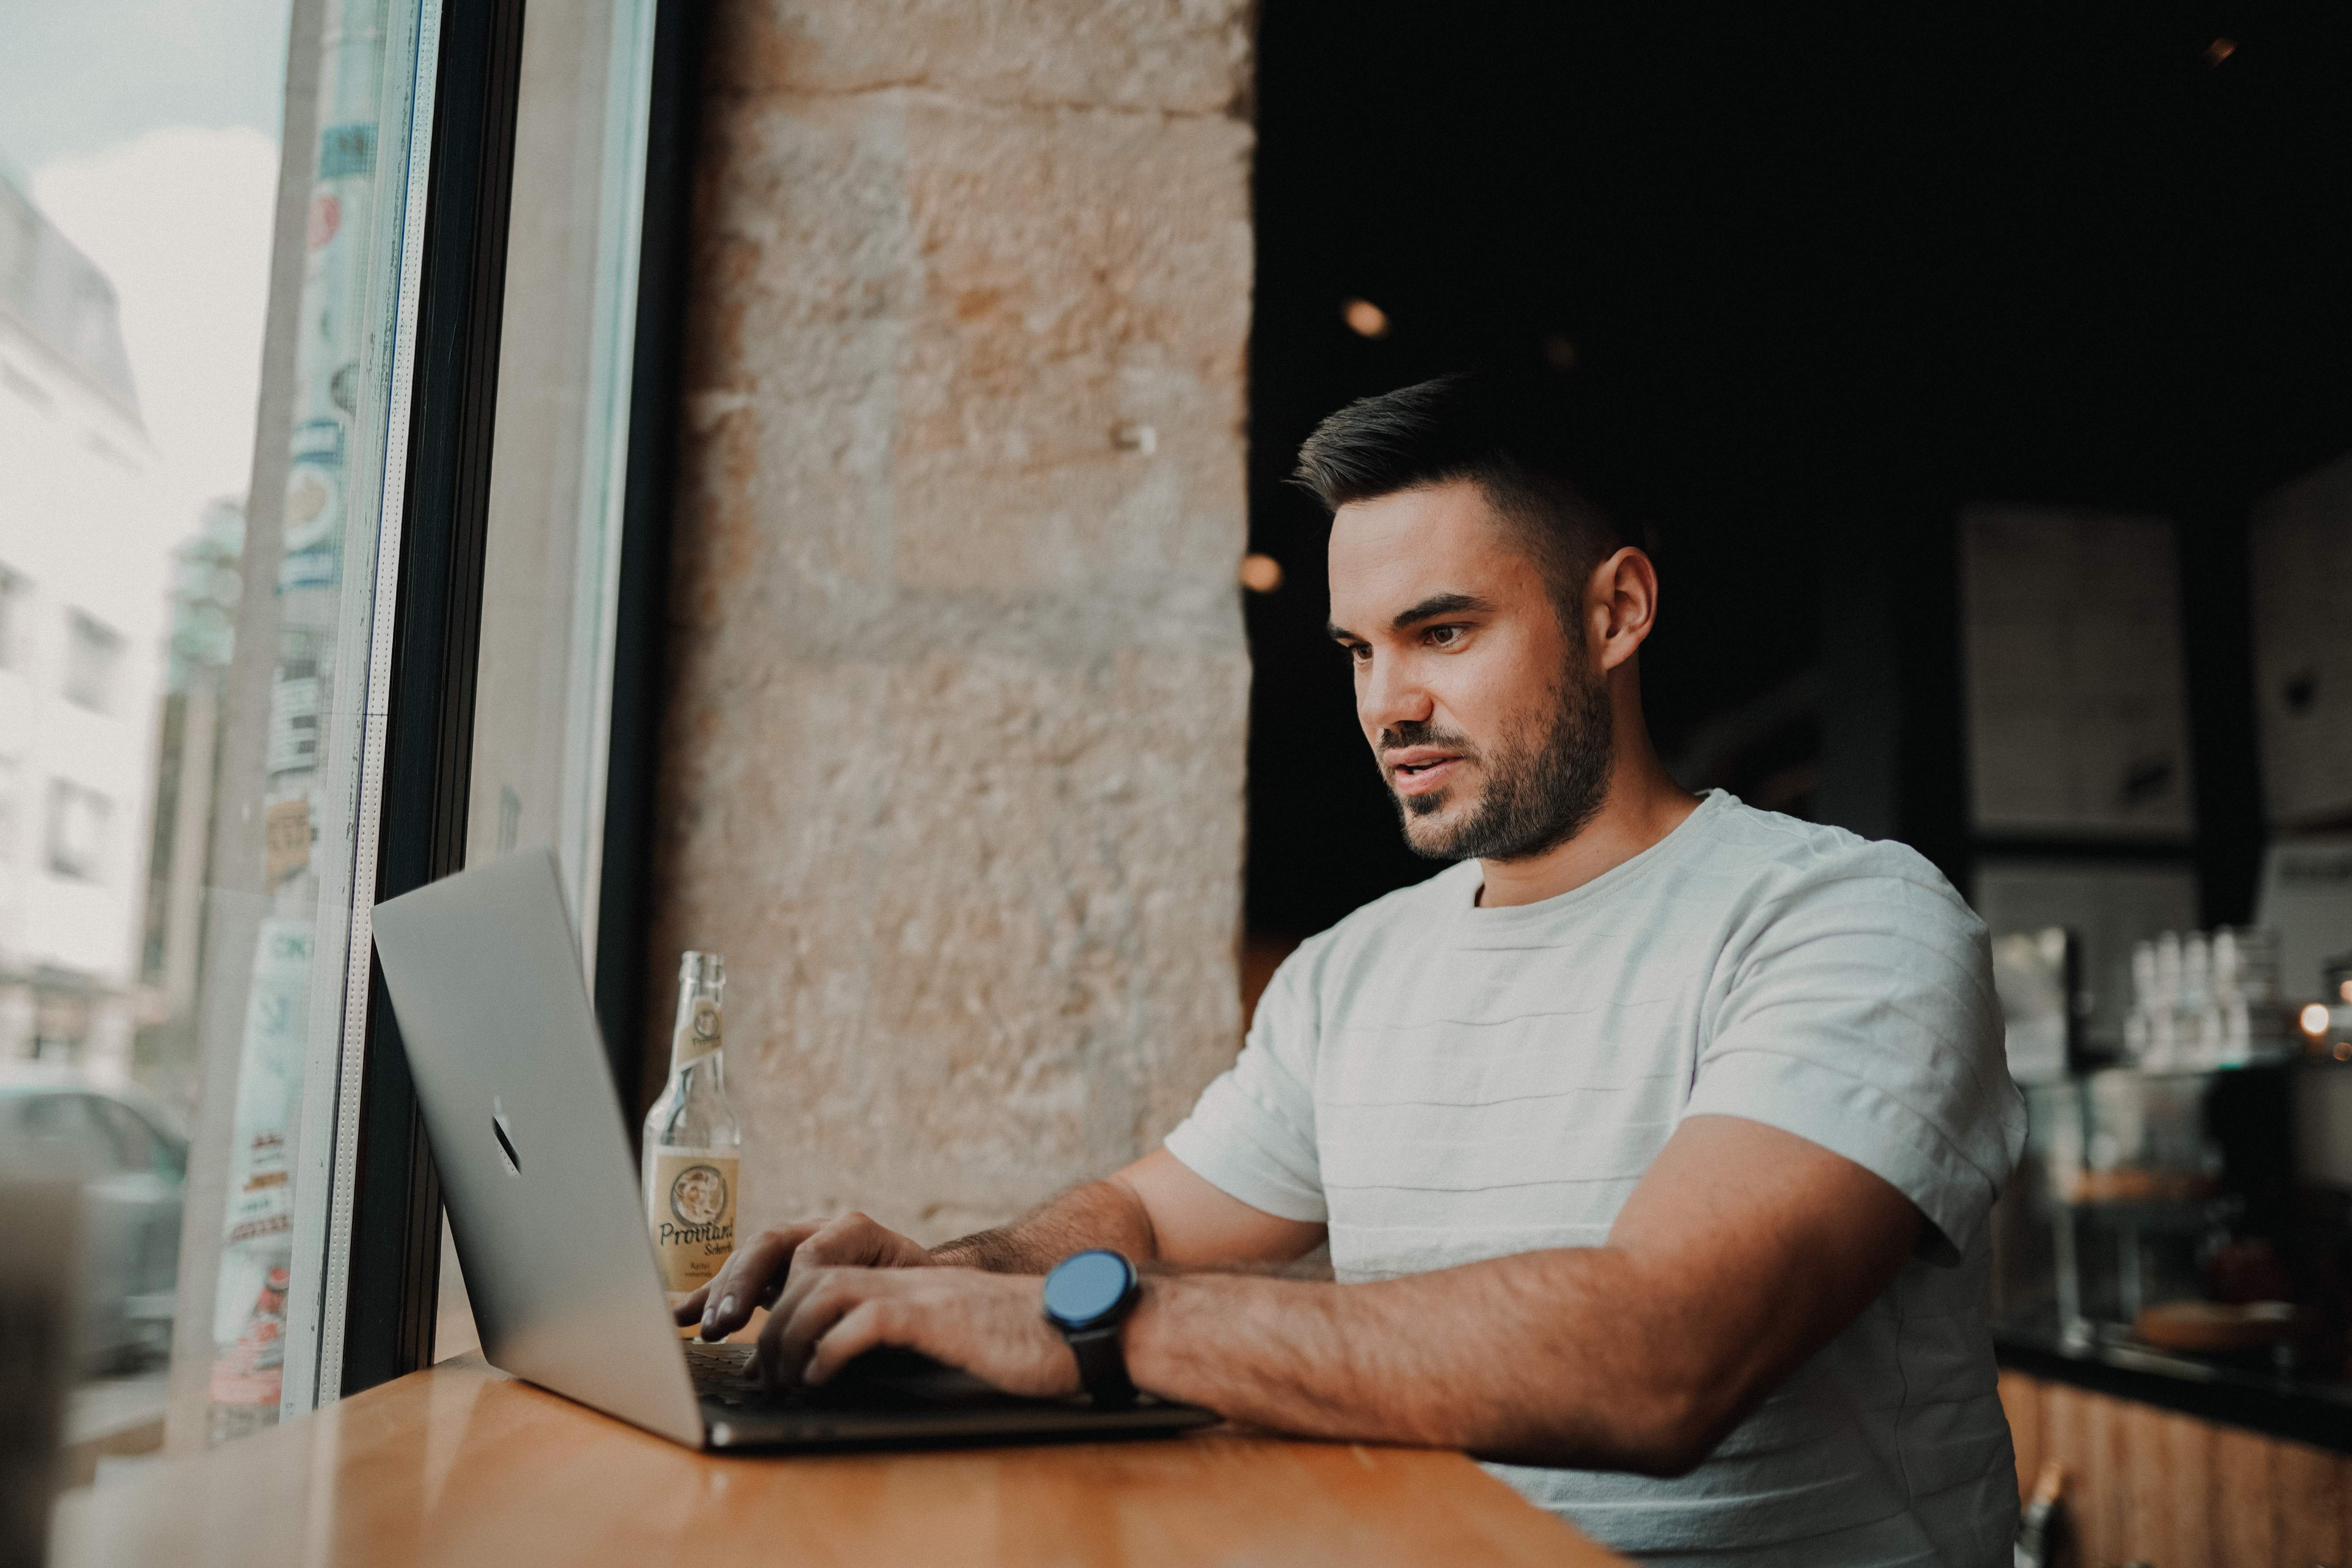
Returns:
(460,1461)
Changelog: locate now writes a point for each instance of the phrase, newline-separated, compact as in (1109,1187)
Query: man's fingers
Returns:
(768,1355)
(811,1304)
(760,1271)
(751,1278)
(859,1329)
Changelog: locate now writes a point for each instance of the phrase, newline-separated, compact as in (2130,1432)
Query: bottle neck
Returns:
(697,1035)
(690,1069)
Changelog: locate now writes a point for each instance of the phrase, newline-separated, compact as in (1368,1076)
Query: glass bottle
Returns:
(693,1144)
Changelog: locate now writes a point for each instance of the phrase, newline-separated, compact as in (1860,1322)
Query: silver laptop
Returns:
(485,978)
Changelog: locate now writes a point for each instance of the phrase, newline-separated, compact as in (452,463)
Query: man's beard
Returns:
(1537,794)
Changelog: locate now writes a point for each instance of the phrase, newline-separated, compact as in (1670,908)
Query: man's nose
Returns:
(1390,696)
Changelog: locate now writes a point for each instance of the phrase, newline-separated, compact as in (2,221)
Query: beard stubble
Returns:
(1541,789)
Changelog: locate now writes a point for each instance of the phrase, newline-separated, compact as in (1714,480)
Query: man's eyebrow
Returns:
(1428,609)
(1438,604)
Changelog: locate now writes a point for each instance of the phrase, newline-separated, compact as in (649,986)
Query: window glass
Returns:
(92,651)
(208,213)
(78,836)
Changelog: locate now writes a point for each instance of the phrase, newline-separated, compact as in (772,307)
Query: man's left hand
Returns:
(990,1325)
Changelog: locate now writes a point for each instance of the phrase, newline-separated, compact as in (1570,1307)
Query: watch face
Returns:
(1085,1285)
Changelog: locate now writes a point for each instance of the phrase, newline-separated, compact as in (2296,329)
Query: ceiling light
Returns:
(1261,573)
(1365,319)
(2314,1020)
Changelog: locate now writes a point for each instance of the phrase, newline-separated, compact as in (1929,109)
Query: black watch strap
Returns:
(1102,1366)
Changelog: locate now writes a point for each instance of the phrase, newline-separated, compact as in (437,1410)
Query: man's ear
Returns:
(1621,599)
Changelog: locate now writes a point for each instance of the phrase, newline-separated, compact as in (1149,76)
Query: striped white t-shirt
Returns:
(1443,1083)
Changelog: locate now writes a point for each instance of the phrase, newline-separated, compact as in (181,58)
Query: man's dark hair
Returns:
(1511,435)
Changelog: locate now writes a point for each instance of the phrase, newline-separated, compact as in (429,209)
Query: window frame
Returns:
(657,376)
(383,1269)
(383,1259)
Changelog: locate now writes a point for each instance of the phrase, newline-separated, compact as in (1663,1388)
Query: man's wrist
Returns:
(1088,1297)
(1142,1336)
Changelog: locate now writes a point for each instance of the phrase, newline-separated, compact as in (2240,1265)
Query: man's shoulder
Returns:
(1778,861)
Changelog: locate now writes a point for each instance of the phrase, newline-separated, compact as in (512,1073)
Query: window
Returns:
(93,653)
(12,598)
(262,407)
(552,567)
(77,830)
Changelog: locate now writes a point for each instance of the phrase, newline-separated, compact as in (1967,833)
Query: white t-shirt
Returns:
(1443,1083)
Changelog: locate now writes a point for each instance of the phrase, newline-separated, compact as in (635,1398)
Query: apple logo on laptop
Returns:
(504,1132)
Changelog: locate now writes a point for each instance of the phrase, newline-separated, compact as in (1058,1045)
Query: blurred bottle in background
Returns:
(2201,1001)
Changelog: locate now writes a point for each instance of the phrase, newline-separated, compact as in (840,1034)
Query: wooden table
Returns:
(463,1465)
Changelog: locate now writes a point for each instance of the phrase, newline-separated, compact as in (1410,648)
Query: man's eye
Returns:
(1359,653)
(1443,637)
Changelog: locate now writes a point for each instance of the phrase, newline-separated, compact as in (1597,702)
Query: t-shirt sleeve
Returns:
(1252,1132)
(1862,1017)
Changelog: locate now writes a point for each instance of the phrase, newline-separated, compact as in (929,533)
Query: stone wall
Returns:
(958,689)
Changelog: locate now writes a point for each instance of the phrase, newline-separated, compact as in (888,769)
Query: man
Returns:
(1653,1142)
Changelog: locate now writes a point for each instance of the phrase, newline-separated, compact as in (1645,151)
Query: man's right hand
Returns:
(755,1275)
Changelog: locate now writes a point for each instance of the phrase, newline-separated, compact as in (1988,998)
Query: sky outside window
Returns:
(147,131)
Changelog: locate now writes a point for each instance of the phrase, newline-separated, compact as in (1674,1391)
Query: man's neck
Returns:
(1643,805)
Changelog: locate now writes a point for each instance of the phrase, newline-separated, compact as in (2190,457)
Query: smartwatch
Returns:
(1087,1296)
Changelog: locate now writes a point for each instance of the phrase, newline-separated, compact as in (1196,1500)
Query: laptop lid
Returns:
(485,978)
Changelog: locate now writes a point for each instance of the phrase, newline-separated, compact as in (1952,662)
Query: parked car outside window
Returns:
(130,1164)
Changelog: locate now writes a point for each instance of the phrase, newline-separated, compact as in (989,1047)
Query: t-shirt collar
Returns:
(1678,838)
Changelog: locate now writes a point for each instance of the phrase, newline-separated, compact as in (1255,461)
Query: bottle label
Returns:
(698,1037)
(690,1199)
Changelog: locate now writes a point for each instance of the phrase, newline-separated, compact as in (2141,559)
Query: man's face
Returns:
(1486,716)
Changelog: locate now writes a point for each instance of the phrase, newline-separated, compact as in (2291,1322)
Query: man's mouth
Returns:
(1417,770)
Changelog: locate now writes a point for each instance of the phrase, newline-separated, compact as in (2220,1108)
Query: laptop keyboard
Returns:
(724,1372)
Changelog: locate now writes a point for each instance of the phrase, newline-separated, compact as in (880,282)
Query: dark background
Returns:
(1829,278)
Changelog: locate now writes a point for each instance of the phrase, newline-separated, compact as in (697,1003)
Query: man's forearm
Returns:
(1101,1214)
(1542,1357)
